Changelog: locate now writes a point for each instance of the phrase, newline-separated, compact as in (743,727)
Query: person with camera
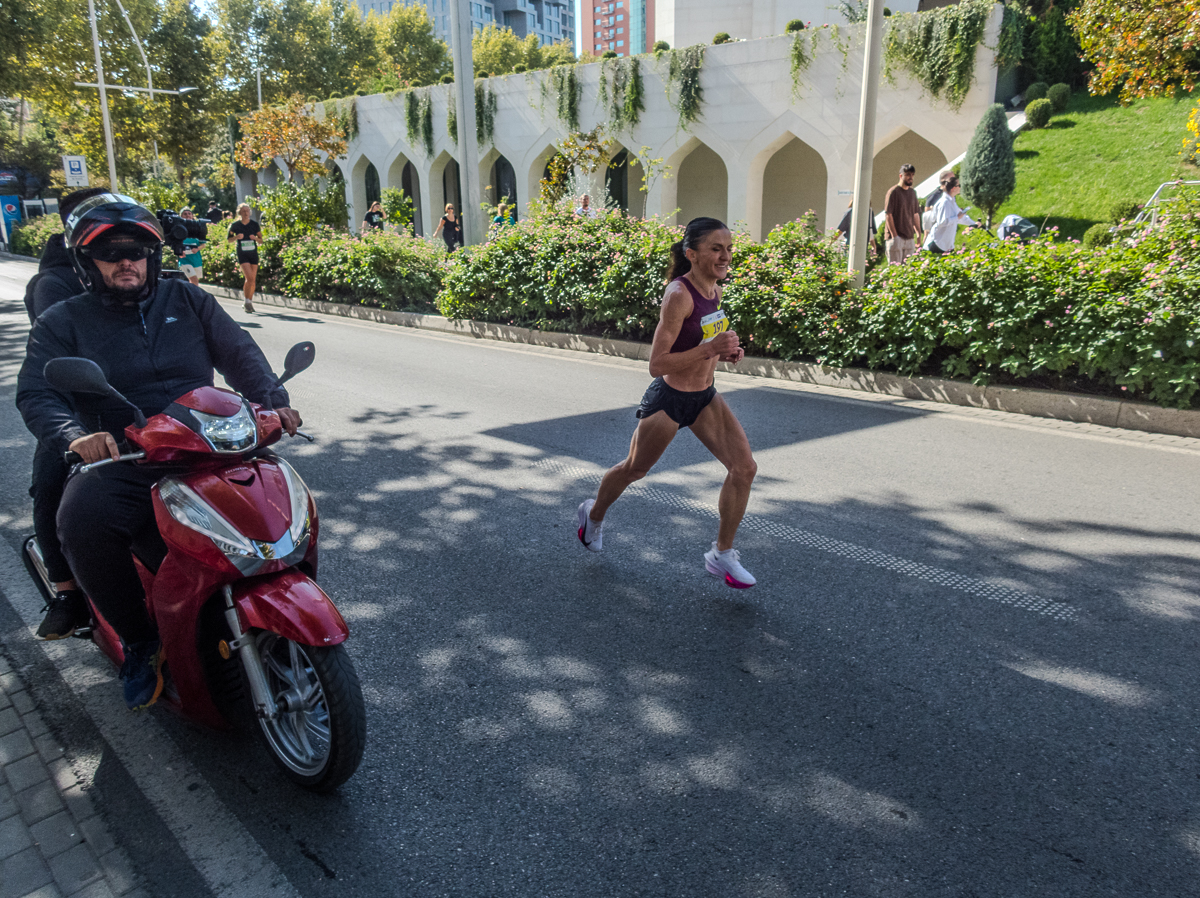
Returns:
(247,234)
(191,263)
(155,340)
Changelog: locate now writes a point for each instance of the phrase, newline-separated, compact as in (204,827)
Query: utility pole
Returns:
(468,145)
(137,42)
(859,221)
(108,141)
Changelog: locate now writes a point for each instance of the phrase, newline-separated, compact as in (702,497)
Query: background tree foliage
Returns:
(290,132)
(418,55)
(498,51)
(1144,50)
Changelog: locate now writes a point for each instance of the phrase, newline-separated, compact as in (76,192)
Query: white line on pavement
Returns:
(231,862)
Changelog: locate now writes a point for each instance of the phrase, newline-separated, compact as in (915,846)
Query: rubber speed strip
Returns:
(993,592)
(231,862)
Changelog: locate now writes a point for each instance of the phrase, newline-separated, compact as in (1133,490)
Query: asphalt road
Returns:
(969,667)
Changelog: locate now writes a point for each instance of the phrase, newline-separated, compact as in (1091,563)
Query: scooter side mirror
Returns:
(299,358)
(73,375)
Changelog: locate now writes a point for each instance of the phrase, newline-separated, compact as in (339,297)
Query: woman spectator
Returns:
(192,263)
(374,218)
(451,229)
(946,218)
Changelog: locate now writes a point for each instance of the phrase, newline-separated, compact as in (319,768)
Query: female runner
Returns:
(692,336)
(248,235)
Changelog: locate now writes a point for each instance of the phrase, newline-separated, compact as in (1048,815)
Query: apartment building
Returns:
(622,26)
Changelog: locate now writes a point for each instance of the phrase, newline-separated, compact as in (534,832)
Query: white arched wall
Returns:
(762,149)
(534,166)
(701,185)
(906,146)
(356,192)
(487,158)
(395,179)
(633,177)
(437,193)
(795,180)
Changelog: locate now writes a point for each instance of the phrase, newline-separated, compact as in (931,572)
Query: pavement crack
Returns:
(312,856)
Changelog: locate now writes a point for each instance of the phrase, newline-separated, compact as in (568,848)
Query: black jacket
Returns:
(55,281)
(152,353)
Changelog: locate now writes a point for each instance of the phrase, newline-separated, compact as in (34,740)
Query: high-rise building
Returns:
(617,25)
(551,20)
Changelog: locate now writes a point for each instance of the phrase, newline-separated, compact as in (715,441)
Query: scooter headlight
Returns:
(192,512)
(301,521)
(233,434)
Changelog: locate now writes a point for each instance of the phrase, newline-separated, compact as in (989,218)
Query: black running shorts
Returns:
(682,408)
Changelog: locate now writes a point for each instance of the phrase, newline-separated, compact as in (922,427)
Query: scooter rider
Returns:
(155,340)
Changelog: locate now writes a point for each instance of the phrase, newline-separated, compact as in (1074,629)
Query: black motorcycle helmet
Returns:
(99,224)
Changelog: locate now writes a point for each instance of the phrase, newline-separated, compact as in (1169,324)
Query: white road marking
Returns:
(231,862)
(983,589)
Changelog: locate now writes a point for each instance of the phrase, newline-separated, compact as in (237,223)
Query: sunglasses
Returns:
(119,253)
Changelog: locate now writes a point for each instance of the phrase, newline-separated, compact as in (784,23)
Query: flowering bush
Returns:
(30,238)
(221,265)
(1121,319)
(380,269)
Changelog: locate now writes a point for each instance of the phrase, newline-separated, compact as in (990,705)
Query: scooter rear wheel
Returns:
(318,736)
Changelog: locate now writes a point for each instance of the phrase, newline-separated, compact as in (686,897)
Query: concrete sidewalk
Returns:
(53,842)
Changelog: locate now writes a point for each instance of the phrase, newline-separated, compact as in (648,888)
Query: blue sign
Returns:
(11,207)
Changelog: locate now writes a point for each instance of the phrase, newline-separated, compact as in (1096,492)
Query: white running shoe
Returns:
(726,566)
(591,534)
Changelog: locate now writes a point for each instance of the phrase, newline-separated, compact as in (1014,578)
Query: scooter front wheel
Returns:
(318,736)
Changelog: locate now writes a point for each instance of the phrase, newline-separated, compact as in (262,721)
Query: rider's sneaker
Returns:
(249,307)
(141,674)
(65,613)
(591,534)
(726,566)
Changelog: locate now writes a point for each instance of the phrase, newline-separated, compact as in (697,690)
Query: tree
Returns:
(289,132)
(181,56)
(418,55)
(989,171)
(1145,50)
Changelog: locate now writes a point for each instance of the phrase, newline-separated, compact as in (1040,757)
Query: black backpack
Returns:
(67,281)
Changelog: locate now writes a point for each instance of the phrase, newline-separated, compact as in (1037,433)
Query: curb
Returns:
(1081,409)
(13,257)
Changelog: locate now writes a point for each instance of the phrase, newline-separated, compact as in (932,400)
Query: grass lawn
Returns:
(1094,154)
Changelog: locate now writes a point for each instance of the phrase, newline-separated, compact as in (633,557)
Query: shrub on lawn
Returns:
(1098,235)
(1036,91)
(1038,113)
(30,238)
(1059,95)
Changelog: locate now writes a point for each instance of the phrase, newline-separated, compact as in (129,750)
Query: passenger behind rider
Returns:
(55,281)
(155,341)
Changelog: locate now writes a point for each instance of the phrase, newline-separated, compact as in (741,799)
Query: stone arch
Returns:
(402,175)
(907,146)
(701,184)
(271,176)
(795,180)
(537,170)
(623,181)
(443,185)
(357,192)
(335,180)
(503,178)
(372,185)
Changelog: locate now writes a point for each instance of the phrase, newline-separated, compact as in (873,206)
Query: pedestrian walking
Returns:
(692,336)
(451,229)
(247,234)
(902,227)
(946,218)
(584,209)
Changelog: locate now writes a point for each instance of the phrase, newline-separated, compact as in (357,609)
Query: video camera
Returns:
(177,229)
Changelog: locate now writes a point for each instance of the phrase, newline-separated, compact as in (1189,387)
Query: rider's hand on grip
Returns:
(290,419)
(95,447)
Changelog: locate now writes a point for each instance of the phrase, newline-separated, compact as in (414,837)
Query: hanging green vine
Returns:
(621,92)
(485,112)
(418,118)
(1010,47)
(804,48)
(937,48)
(563,81)
(683,73)
(452,118)
(346,116)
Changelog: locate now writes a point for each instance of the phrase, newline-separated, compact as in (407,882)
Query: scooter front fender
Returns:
(292,605)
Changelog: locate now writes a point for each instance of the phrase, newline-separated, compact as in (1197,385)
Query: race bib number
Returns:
(711,325)
(247,245)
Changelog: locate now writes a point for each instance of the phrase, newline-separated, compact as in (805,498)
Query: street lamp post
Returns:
(859,221)
(108,141)
(468,145)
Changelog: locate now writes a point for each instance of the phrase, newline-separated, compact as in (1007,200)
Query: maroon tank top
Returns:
(705,322)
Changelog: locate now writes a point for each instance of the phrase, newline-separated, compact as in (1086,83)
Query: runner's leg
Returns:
(722,435)
(250,273)
(650,441)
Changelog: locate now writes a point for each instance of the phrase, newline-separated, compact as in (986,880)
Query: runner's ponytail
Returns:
(695,232)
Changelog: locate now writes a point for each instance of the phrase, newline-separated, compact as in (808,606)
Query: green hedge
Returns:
(30,238)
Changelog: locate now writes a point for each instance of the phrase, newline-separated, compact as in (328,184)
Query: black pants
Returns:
(49,478)
(103,516)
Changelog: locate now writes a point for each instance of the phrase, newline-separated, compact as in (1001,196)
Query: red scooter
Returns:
(233,583)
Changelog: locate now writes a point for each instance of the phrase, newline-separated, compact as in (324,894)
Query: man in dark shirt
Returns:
(156,340)
(903,226)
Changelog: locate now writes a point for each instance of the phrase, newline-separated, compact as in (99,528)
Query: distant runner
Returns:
(692,336)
